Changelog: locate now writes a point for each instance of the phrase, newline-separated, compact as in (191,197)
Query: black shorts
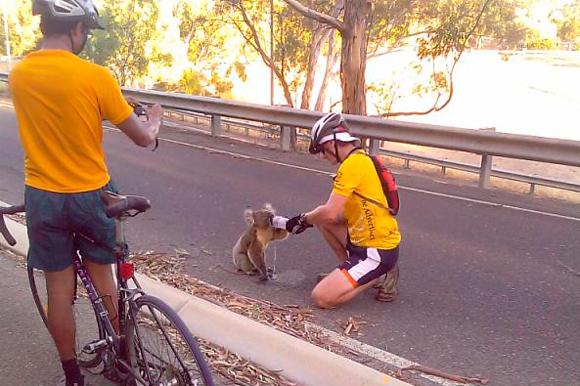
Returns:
(366,264)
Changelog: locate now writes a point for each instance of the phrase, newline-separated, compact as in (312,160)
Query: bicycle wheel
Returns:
(161,348)
(88,328)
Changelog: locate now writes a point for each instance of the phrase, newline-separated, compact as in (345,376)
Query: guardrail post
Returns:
(486,162)
(374,146)
(485,171)
(216,122)
(285,137)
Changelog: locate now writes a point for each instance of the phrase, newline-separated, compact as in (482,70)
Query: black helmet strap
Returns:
(335,153)
(84,42)
(335,147)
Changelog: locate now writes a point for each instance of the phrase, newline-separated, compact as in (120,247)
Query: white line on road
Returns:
(376,353)
(482,202)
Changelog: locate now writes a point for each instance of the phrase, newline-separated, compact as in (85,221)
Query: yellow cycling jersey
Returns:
(368,224)
(60,101)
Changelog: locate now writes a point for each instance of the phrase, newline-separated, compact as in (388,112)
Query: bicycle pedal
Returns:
(93,347)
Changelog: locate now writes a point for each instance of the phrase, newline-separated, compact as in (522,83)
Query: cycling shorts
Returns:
(366,264)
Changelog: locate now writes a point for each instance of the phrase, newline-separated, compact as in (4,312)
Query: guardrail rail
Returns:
(284,119)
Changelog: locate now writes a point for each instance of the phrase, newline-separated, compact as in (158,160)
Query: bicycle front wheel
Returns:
(161,348)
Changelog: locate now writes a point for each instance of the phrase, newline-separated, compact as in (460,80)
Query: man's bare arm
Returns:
(329,212)
(143,133)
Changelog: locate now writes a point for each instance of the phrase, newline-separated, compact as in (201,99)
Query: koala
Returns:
(249,252)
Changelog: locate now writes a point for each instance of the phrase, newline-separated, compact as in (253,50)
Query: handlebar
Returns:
(3,228)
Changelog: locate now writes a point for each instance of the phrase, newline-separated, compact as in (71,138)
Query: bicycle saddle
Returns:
(118,204)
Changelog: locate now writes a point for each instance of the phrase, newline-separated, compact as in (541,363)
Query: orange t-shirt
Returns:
(60,102)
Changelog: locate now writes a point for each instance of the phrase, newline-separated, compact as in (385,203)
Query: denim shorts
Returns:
(54,222)
(365,264)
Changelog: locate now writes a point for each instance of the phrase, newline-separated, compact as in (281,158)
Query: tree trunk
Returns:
(329,72)
(353,59)
(318,39)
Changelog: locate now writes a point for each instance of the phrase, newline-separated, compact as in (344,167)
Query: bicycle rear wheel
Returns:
(161,348)
(88,328)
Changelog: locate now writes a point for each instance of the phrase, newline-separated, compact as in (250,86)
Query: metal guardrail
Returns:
(444,164)
(407,157)
(544,53)
(484,143)
(532,148)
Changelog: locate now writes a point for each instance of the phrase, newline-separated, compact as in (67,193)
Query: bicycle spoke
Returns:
(161,350)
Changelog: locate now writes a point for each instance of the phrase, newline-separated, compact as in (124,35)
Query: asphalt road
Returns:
(484,288)
(28,356)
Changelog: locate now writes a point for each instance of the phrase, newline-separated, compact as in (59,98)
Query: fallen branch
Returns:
(568,268)
(441,374)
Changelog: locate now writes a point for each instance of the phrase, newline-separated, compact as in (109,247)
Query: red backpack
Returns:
(389,187)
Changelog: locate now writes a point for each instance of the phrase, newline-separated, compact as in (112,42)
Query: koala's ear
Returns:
(269,208)
(249,216)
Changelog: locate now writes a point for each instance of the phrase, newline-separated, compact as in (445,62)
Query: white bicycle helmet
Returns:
(331,127)
(69,10)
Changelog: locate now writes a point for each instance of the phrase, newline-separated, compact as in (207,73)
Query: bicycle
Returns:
(145,322)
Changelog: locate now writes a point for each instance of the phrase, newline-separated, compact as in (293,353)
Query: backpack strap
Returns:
(370,200)
(391,208)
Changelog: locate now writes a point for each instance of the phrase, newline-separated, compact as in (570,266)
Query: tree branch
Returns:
(320,17)
(455,61)
(267,60)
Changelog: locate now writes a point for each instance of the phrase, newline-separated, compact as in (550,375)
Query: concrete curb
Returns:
(294,358)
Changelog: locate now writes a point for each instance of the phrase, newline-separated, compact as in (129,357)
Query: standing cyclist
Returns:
(363,236)
(60,101)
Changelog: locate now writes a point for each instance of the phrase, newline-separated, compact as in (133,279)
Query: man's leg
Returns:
(60,290)
(336,289)
(335,235)
(102,278)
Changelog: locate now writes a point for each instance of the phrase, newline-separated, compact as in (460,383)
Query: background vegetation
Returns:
(205,47)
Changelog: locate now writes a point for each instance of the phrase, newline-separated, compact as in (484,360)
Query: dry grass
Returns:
(290,319)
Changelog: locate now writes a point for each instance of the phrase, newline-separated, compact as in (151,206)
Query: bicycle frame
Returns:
(125,354)
(123,272)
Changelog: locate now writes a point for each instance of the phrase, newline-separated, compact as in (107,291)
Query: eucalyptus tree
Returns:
(569,24)
(207,40)
(297,42)
(125,46)
(23,30)
(251,19)
(443,27)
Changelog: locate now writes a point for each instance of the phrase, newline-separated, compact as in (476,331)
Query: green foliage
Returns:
(23,29)
(202,32)
(125,45)
(453,22)
(411,80)
(569,24)
(205,34)
(533,41)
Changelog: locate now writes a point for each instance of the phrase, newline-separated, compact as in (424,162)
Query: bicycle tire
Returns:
(152,319)
(79,307)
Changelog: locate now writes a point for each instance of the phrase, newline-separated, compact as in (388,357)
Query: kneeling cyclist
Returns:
(364,236)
